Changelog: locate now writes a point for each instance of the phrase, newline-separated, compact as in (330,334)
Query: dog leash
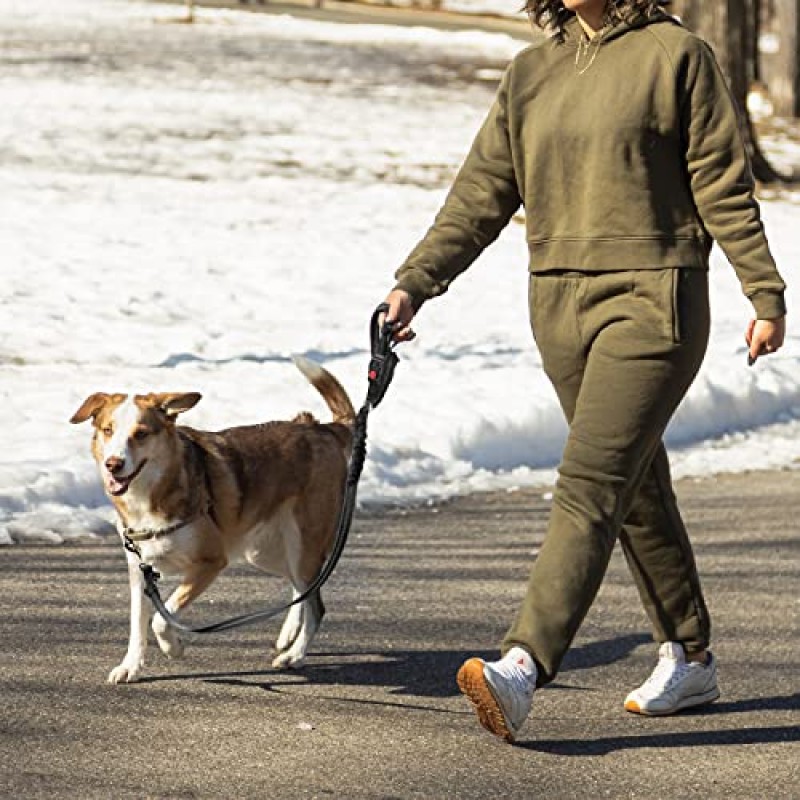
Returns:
(381,370)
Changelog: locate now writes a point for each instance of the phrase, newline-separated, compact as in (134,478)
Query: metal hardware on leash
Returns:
(381,370)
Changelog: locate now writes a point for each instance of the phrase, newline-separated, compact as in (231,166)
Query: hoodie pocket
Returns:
(660,298)
(682,287)
(676,291)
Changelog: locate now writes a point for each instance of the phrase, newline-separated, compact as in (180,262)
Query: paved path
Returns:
(416,593)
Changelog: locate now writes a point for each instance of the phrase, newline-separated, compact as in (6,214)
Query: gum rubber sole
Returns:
(473,686)
(689,702)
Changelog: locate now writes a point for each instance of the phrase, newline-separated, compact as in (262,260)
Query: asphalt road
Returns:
(375,713)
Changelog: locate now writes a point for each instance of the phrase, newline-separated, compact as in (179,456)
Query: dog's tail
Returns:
(332,391)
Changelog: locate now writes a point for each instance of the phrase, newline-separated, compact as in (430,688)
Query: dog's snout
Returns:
(114,464)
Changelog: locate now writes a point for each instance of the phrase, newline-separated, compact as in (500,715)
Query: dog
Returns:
(194,501)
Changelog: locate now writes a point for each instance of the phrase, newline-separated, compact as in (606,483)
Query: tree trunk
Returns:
(786,61)
(731,28)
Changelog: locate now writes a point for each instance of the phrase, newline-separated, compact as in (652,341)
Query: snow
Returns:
(185,207)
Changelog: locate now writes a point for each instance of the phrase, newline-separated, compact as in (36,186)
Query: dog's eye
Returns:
(107,431)
(140,434)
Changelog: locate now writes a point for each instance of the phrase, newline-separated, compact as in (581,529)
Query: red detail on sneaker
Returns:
(372,374)
(521,661)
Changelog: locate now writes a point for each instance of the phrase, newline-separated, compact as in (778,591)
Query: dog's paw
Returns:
(124,673)
(288,660)
(169,641)
(172,648)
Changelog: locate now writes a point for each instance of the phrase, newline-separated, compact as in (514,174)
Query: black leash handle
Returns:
(384,359)
(381,371)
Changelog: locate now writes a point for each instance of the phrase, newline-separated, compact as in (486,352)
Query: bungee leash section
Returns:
(381,370)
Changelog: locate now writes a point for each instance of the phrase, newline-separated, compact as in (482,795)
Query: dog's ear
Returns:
(93,405)
(174,403)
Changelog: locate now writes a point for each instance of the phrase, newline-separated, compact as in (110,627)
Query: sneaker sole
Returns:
(688,702)
(474,687)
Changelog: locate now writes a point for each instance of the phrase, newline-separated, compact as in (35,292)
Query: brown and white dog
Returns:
(195,501)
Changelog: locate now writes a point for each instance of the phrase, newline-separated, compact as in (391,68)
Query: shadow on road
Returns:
(602,747)
(789,702)
(430,675)
(420,673)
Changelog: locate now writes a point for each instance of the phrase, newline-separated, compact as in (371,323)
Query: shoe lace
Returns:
(514,680)
(520,683)
(666,674)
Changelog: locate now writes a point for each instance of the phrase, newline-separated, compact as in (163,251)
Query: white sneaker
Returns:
(501,692)
(675,684)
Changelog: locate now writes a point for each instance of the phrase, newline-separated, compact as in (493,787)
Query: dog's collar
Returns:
(146,534)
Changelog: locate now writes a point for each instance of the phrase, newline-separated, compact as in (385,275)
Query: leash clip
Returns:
(384,359)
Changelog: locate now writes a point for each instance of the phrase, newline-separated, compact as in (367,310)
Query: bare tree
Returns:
(732,28)
(782,21)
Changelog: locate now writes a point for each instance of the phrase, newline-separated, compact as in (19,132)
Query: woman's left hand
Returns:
(765,336)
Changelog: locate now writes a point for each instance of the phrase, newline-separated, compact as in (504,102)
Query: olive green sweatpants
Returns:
(621,349)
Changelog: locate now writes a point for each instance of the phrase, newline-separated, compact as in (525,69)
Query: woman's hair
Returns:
(553,16)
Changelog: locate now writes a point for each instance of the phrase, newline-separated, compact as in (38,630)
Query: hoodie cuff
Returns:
(768,305)
(417,288)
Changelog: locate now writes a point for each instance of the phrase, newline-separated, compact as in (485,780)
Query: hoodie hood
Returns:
(574,32)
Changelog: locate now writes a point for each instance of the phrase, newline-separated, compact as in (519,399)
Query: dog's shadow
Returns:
(418,673)
(400,672)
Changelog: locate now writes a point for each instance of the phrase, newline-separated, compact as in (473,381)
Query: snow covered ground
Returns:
(501,8)
(184,207)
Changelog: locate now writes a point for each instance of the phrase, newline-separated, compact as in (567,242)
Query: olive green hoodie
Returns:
(626,153)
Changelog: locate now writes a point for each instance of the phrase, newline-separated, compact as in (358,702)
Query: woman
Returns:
(620,138)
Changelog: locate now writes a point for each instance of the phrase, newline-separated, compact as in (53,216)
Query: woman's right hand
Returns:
(764,337)
(401,311)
